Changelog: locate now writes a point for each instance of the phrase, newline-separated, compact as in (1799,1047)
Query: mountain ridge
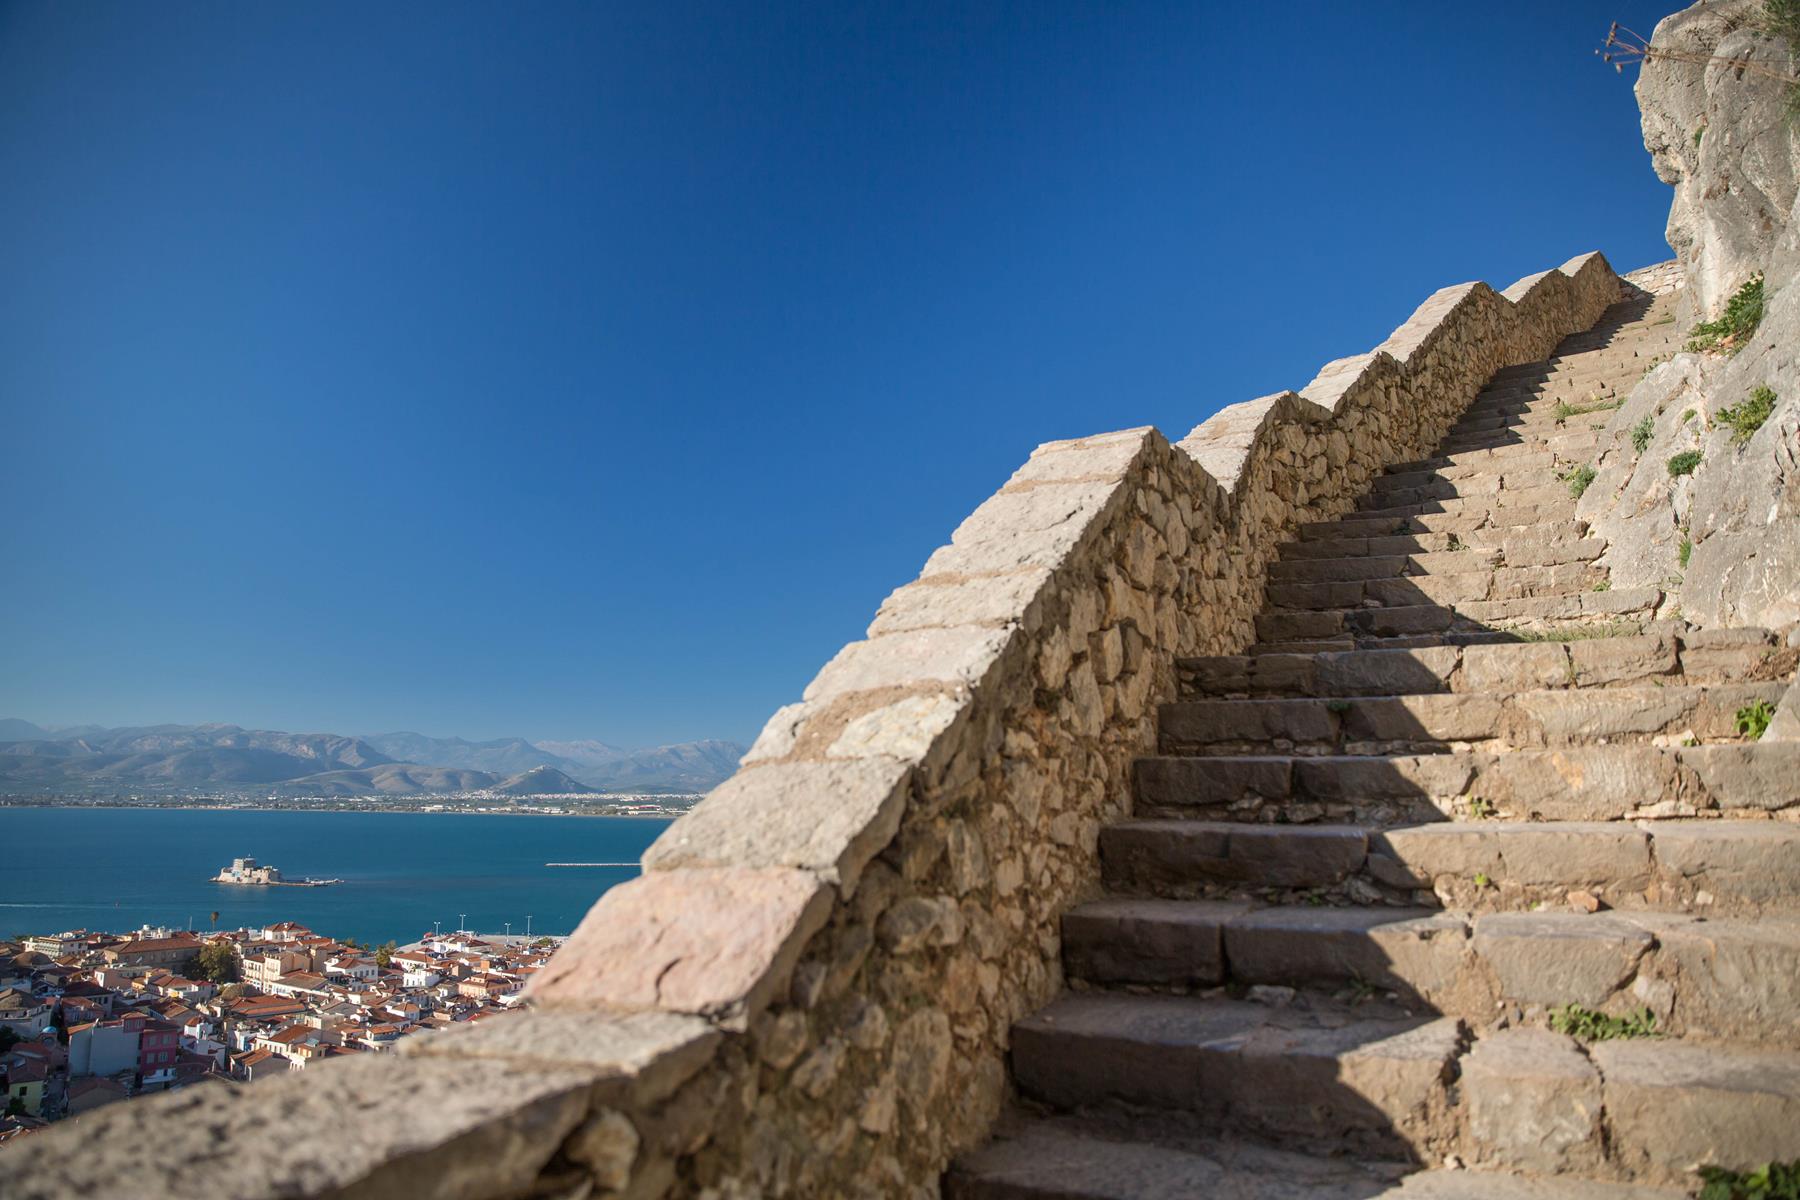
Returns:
(221,756)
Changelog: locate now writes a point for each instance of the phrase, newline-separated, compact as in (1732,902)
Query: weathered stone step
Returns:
(1516,548)
(1544,422)
(1516,519)
(1400,620)
(1516,455)
(1712,867)
(1463,559)
(1437,587)
(1644,1109)
(1370,1085)
(1702,976)
(1063,1158)
(1405,503)
(1572,443)
(1592,783)
(1432,722)
(1665,656)
(1413,486)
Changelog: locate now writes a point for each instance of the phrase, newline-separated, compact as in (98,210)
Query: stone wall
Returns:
(809,990)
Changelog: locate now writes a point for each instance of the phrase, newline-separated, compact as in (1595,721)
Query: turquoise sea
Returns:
(119,868)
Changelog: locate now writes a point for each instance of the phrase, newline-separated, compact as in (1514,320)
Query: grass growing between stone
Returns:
(1753,719)
(1577,633)
(1771,1181)
(1743,313)
(1683,463)
(1578,479)
(1641,434)
(1565,410)
(1587,1025)
(1746,418)
(1685,552)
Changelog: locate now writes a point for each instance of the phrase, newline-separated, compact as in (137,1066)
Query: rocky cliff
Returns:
(1692,492)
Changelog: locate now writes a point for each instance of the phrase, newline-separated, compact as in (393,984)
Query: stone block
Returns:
(1753,776)
(1637,659)
(1415,951)
(1560,958)
(1588,783)
(710,942)
(1156,854)
(1754,863)
(1514,668)
(1534,1102)
(1385,672)
(1671,1105)
(959,655)
(992,600)
(370,1126)
(1568,854)
(638,1057)
(830,818)
(1167,942)
(1732,978)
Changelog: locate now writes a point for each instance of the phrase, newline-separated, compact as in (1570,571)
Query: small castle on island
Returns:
(245,870)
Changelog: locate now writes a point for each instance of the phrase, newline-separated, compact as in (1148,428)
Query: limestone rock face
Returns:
(1721,136)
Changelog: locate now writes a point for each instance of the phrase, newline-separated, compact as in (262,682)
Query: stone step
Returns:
(1066,1158)
(1433,722)
(1571,443)
(1411,486)
(1662,656)
(1517,456)
(1540,613)
(1317,568)
(1437,587)
(1587,412)
(1555,493)
(1701,976)
(1515,548)
(1710,867)
(1374,1085)
(1592,783)
(1507,520)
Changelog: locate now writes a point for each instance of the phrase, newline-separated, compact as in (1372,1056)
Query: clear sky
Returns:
(594,370)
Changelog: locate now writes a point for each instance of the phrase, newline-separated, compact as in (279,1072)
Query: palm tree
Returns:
(215,919)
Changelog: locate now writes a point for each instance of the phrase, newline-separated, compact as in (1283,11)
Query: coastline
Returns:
(8,802)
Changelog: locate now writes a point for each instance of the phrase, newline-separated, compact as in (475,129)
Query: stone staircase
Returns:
(1458,782)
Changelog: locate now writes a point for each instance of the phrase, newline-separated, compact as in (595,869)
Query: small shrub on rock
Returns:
(1641,434)
(1746,418)
(1684,463)
(1578,479)
(1771,1181)
(1590,1026)
(1753,719)
(1743,313)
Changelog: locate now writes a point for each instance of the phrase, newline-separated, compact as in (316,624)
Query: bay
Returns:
(119,868)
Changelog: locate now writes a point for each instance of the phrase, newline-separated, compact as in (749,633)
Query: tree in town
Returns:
(384,953)
(216,962)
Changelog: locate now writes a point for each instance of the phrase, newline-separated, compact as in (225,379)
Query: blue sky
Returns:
(594,370)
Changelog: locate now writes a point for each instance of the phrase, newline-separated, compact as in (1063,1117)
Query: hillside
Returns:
(226,758)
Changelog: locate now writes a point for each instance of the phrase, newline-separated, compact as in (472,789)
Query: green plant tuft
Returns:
(1743,313)
(1641,434)
(1687,550)
(1590,1026)
(1684,463)
(1564,410)
(1746,418)
(1578,479)
(1771,1181)
(1753,719)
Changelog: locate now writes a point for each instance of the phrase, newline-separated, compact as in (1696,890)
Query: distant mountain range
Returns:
(91,758)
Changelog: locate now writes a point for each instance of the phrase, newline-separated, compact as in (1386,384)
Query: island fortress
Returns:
(1318,805)
(245,871)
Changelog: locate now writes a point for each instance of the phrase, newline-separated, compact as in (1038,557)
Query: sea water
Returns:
(403,873)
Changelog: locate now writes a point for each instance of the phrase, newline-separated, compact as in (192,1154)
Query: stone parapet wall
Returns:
(809,990)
